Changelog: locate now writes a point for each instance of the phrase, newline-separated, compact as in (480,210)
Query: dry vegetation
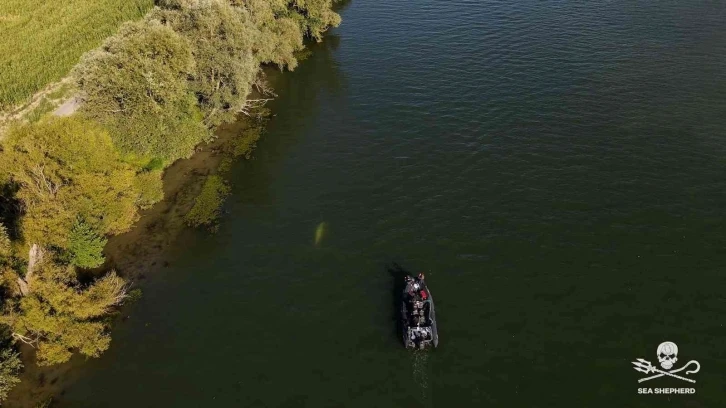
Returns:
(42,40)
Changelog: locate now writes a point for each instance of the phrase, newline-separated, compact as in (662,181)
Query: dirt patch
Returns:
(68,107)
(58,98)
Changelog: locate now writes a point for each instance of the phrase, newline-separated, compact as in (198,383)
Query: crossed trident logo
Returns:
(667,357)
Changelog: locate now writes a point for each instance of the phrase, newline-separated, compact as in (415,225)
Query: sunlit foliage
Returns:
(4,244)
(67,170)
(10,366)
(85,246)
(150,95)
(42,40)
(61,316)
(221,39)
(137,85)
(150,186)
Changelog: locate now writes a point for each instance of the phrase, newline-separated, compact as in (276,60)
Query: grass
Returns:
(44,107)
(43,39)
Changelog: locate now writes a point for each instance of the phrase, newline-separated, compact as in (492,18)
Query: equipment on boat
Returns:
(417,315)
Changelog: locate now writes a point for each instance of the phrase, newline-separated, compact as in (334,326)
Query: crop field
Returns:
(41,40)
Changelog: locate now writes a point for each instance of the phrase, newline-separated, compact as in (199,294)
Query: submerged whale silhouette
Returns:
(320,232)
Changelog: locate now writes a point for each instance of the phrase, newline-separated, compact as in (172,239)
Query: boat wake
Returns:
(421,372)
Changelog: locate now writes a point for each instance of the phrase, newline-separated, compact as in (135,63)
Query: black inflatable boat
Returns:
(418,315)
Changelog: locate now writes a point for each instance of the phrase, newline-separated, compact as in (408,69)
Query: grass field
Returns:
(41,40)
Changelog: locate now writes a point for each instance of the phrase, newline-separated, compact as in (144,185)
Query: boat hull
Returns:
(418,316)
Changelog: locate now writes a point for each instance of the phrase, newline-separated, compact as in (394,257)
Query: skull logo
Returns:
(667,354)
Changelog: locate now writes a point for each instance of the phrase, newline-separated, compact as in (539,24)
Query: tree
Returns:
(282,25)
(86,246)
(67,169)
(10,367)
(60,316)
(221,38)
(150,186)
(5,249)
(318,15)
(137,85)
(280,31)
(8,276)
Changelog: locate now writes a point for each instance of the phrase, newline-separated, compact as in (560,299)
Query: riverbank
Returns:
(144,247)
(157,99)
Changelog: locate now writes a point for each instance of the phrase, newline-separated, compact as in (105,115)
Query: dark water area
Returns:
(557,170)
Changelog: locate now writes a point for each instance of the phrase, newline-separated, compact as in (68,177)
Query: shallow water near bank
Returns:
(557,170)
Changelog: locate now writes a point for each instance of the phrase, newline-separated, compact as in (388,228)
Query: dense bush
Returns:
(85,246)
(282,24)
(318,15)
(4,244)
(137,85)
(60,316)
(151,94)
(280,31)
(151,188)
(10,366)
(67,169)
(221,38)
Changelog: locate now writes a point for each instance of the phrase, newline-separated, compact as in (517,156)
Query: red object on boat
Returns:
(424,295)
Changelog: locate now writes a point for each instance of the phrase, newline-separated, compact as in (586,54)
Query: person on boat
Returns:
(420,281)
(424,295)
(409,286)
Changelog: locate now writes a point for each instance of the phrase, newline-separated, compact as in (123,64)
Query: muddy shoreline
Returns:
(145,247)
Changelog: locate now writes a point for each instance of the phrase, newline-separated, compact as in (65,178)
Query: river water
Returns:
(557,170)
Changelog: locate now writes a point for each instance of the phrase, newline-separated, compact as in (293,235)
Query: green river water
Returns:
(557,170)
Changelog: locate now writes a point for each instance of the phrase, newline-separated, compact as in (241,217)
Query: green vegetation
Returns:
(150,188)
(246,141)
(67,169)
(5,245)
(86,246)
(136,84)
(221,38)
(45,106)
(42,40)
(73,190)
(58,315)
(150,95)
(208,203)
(10,366)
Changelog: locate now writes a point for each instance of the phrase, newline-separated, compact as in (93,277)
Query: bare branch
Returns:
(24,287)
(25,339)
(35,256)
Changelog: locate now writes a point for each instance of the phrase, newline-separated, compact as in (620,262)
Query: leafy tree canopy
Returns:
(61,316)
(86,246)
(10,366)
(221,38)
(136,84)
(68,169)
